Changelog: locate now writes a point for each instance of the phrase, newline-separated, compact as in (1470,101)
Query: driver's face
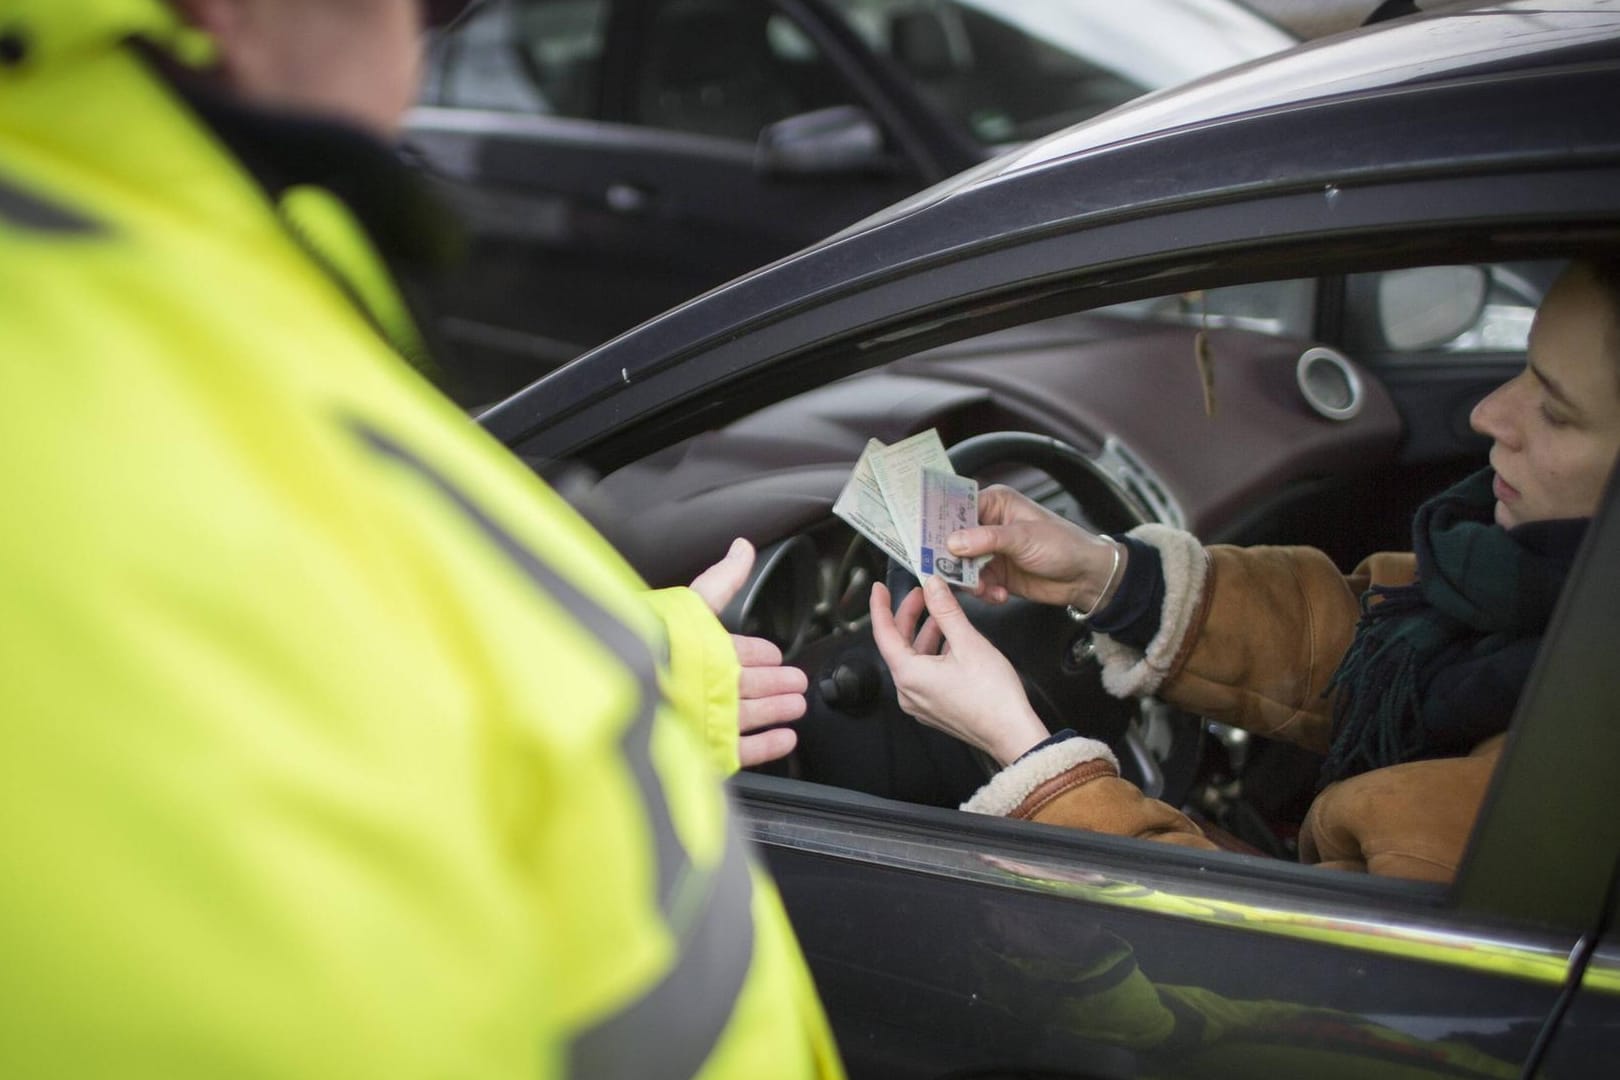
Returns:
(1556,425)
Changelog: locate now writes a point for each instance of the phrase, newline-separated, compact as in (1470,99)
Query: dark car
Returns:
(615,157)
(1349,240)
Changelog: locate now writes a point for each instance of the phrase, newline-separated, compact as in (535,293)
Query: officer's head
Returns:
(355,59)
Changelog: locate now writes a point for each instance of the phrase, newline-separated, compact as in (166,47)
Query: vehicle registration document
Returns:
(907,499)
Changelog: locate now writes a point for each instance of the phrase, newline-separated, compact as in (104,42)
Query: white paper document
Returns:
(907,499)
(861,504)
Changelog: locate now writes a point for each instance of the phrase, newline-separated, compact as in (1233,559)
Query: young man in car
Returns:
(1405,673)
(336,744)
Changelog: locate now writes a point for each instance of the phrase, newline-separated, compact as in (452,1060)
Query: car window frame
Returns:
(1534,925)
(904,311)
(1519,814)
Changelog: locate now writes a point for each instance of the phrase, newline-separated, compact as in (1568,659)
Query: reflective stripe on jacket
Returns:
(336,744)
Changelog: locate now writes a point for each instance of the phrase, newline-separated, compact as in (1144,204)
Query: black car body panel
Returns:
(950,954)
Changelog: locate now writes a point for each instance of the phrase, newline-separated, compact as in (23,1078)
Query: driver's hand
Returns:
(949,676)
(1037,554)
(770,692)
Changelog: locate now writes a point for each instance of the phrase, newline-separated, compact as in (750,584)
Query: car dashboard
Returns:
(1127,394)
(1213,433)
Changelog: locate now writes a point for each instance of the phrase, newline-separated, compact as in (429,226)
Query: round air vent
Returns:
(1329,382)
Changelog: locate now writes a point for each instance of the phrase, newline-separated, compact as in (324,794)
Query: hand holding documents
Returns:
(907,499)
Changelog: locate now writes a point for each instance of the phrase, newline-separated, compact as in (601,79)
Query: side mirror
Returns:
(1427,306)
(842,139)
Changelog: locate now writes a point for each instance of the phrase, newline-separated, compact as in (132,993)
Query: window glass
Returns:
(1488,308)
(529,56)
(998,80)
(1281,308)
(1009,70)
(728,68)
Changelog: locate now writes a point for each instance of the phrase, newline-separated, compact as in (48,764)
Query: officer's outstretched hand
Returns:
(949,676)
(771,693)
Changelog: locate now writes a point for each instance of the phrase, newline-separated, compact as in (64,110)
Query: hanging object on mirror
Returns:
(1203,354)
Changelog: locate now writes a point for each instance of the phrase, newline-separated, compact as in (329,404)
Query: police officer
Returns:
(335,744)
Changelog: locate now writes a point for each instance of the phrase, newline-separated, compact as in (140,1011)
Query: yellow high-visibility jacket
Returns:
(332,742)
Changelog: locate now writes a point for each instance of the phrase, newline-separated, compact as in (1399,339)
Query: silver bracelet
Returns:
(1113,571)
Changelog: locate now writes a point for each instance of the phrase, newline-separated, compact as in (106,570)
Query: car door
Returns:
(606,156)
(945,948)
(952,945)
(949,945)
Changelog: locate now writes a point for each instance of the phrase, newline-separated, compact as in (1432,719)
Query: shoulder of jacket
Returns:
(1388,568)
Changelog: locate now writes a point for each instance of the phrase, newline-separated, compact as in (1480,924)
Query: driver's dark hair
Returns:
(1605,271)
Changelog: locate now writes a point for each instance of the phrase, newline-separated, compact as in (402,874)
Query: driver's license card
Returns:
(949,503)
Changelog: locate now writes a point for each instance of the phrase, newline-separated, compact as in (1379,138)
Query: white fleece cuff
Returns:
(1128,672)
(1012,785)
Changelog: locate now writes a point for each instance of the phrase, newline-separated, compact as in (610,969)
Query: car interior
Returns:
(1217,410)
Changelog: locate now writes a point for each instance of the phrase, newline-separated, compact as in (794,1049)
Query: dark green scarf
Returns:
(1436,667)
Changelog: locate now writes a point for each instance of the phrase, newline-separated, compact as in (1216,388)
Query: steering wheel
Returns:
(856,736)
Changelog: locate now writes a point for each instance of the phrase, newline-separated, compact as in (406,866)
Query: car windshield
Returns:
(1011,70)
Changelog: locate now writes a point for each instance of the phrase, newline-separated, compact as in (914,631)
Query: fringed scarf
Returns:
(1436,667)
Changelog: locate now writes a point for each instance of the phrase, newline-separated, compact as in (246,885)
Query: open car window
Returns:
(1456,311)
(1241,454)
(862,818)
(1011,71)
(1272,307)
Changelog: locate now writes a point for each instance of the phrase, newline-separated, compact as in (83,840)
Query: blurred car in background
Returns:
(615,157)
